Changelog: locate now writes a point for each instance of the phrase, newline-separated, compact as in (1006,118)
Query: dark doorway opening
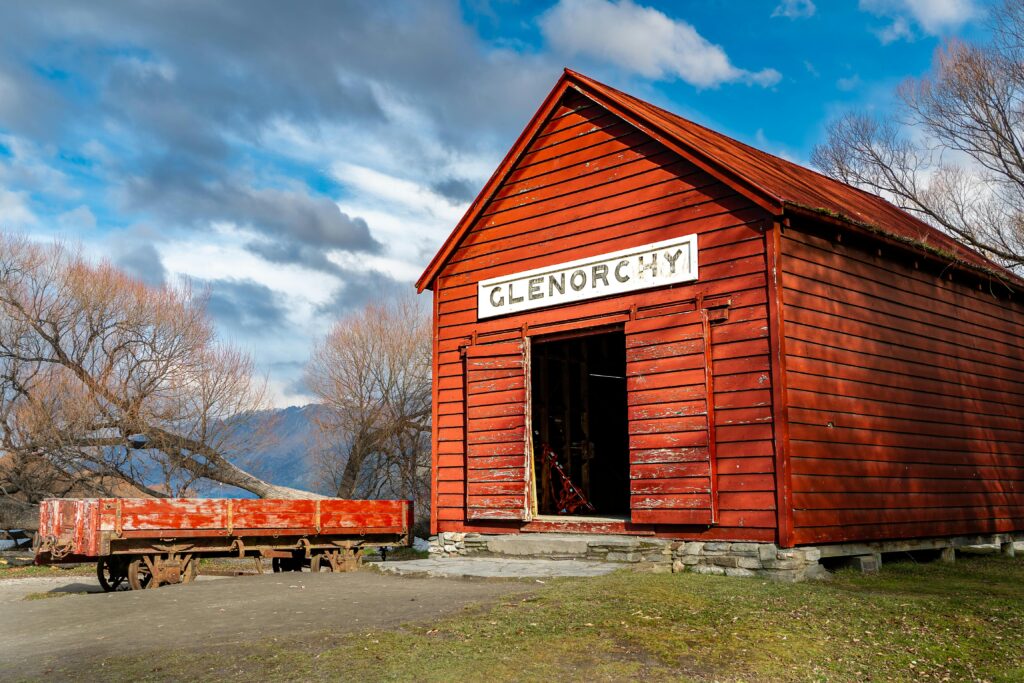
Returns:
(580,435)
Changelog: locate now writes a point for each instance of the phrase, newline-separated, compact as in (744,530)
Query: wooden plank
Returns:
(906,393)
(700,517)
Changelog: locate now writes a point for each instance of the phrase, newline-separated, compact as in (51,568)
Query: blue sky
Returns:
(298,160)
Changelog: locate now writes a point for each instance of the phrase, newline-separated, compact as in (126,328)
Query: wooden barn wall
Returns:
(590,184)
(905,392)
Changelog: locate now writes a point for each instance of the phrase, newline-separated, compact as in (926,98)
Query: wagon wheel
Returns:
(112,574)
(140,574)
(191,570)
(321,562)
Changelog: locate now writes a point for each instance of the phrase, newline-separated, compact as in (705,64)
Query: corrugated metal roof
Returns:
(772,181)
(789,183)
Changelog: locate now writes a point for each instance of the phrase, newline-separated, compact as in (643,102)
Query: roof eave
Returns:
(881,234)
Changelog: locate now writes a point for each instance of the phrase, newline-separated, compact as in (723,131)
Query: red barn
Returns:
(644,327)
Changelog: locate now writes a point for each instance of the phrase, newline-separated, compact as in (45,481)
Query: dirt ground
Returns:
(48,638)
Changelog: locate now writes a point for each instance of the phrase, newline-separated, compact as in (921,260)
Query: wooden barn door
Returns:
(498,431)
(671,467)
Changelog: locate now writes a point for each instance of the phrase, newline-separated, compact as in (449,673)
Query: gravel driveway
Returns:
(39,638)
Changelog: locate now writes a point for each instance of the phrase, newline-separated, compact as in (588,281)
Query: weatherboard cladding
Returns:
(861,394)
(905,391)
(589,185)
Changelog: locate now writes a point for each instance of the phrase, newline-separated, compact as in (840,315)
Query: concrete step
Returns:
(497,568)
(594,547)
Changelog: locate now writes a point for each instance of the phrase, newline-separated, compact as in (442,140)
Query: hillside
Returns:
(288,460)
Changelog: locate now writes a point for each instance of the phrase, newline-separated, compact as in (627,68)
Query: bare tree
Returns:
(104,380)
(372,373)
(961,168)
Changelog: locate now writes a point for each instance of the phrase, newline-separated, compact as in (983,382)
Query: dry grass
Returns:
(913,622)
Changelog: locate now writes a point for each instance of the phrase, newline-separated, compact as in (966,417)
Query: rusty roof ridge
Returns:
(590,86)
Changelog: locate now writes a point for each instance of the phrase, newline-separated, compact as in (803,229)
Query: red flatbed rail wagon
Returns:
(146,542)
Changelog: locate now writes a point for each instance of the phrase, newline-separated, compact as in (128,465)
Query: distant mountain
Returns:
(288,459)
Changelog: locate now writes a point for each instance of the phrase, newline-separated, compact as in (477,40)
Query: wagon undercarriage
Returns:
(128,555)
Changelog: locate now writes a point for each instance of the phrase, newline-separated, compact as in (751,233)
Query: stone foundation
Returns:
(755,560)
(763,560)
(760,560)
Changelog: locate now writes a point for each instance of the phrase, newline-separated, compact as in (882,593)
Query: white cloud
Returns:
(849,83)
(80,218)
(897,30)
(643,41)
(933,17)
(795,9)
(410,219)
(15,213)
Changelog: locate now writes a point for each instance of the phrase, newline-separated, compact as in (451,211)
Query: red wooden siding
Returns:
(587,185)
(670,463)
(81,524)
(497,431)
(905,393)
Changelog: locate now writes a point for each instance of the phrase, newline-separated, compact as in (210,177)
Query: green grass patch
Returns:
(928,622)
(13,571)
(48,595)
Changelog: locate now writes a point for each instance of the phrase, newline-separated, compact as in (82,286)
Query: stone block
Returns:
(815,572)
(948,555)
(724,560)
(617,542)
(716,547)
(766,551)
(678,566)
(693,548)
(747,549)
(812,554)
(623,557)
(866,564)
(536,545)
(689,559)
(749,562)
(1007,549)
(736,571)
(788,565)
(707,569)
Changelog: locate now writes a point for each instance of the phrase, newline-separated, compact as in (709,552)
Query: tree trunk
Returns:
(350,476)
(17,515)
(229,474)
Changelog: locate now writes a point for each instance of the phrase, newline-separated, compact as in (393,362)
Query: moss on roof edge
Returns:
(1004,276)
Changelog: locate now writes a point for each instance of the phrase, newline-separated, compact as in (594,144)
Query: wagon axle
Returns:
(147,543)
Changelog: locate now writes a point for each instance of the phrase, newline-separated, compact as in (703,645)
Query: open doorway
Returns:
(580,435)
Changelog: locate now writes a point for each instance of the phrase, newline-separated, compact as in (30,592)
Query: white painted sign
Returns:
(652,265)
